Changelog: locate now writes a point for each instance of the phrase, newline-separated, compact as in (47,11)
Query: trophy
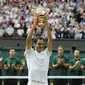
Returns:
(42,15)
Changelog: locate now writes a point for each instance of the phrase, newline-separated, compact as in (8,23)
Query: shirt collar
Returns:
(77,59)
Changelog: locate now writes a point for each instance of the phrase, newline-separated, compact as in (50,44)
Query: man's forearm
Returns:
(29,37)
(72,67)
(65,65)
(81,67)
(49,34)
(49,38)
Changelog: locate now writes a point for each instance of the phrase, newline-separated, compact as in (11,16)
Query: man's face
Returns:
(60,50)
(12,52)
(76,54)
(39,46)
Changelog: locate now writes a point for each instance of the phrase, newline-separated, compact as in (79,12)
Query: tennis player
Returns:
(38,59)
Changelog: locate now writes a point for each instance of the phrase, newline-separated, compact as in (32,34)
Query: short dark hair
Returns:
(39,38)
(11,49)
(61,47)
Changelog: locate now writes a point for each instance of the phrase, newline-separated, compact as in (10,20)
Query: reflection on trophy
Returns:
(43,13)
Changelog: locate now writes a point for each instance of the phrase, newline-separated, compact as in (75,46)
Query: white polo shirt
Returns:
(38,64)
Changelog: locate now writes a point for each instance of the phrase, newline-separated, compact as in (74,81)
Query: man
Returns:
(11,67)
(38,59)
(60,65)
(76,66)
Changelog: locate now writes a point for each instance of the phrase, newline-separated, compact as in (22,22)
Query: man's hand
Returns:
(54,65)
(34,23)
(1,59)
(59,61)
(23,62)
(50,68)
(77,62)
(8,64)
(13,64)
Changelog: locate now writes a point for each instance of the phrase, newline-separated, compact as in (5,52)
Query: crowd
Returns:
(66,18)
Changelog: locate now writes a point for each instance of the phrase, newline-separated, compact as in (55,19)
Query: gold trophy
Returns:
(42,15)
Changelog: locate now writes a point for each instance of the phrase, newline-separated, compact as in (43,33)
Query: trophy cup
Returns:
(42,15)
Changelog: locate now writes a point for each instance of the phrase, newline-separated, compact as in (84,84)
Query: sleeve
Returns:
(70,63)
(5,62)
(54,60)
(82,62)
(49,53)
(18,62)
(67,59)
(29,52)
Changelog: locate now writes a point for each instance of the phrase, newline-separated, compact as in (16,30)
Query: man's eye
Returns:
(39,43)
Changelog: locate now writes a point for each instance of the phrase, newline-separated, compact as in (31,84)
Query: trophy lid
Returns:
(41,11)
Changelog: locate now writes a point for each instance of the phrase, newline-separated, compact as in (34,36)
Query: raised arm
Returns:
(49,44)
(29,37)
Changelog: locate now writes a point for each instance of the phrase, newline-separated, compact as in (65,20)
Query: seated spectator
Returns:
(65,33)
(83,33)
(71,32)
(58,33)
(1,31)
(53,31)
(9,31)
(16,23)
(20,32)
(78,32)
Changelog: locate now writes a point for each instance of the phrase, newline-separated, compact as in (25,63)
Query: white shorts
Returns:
(37,83)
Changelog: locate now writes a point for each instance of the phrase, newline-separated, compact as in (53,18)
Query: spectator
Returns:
(65,33)
(9,31)
(60,65)
(20,32)
(78,32)
(83,33)
(11,67)
(76,66)
(71,32)
(53,30)
(1,31)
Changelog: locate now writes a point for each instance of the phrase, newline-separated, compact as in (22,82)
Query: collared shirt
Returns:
(76,71)
(60,70)
(38,64)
